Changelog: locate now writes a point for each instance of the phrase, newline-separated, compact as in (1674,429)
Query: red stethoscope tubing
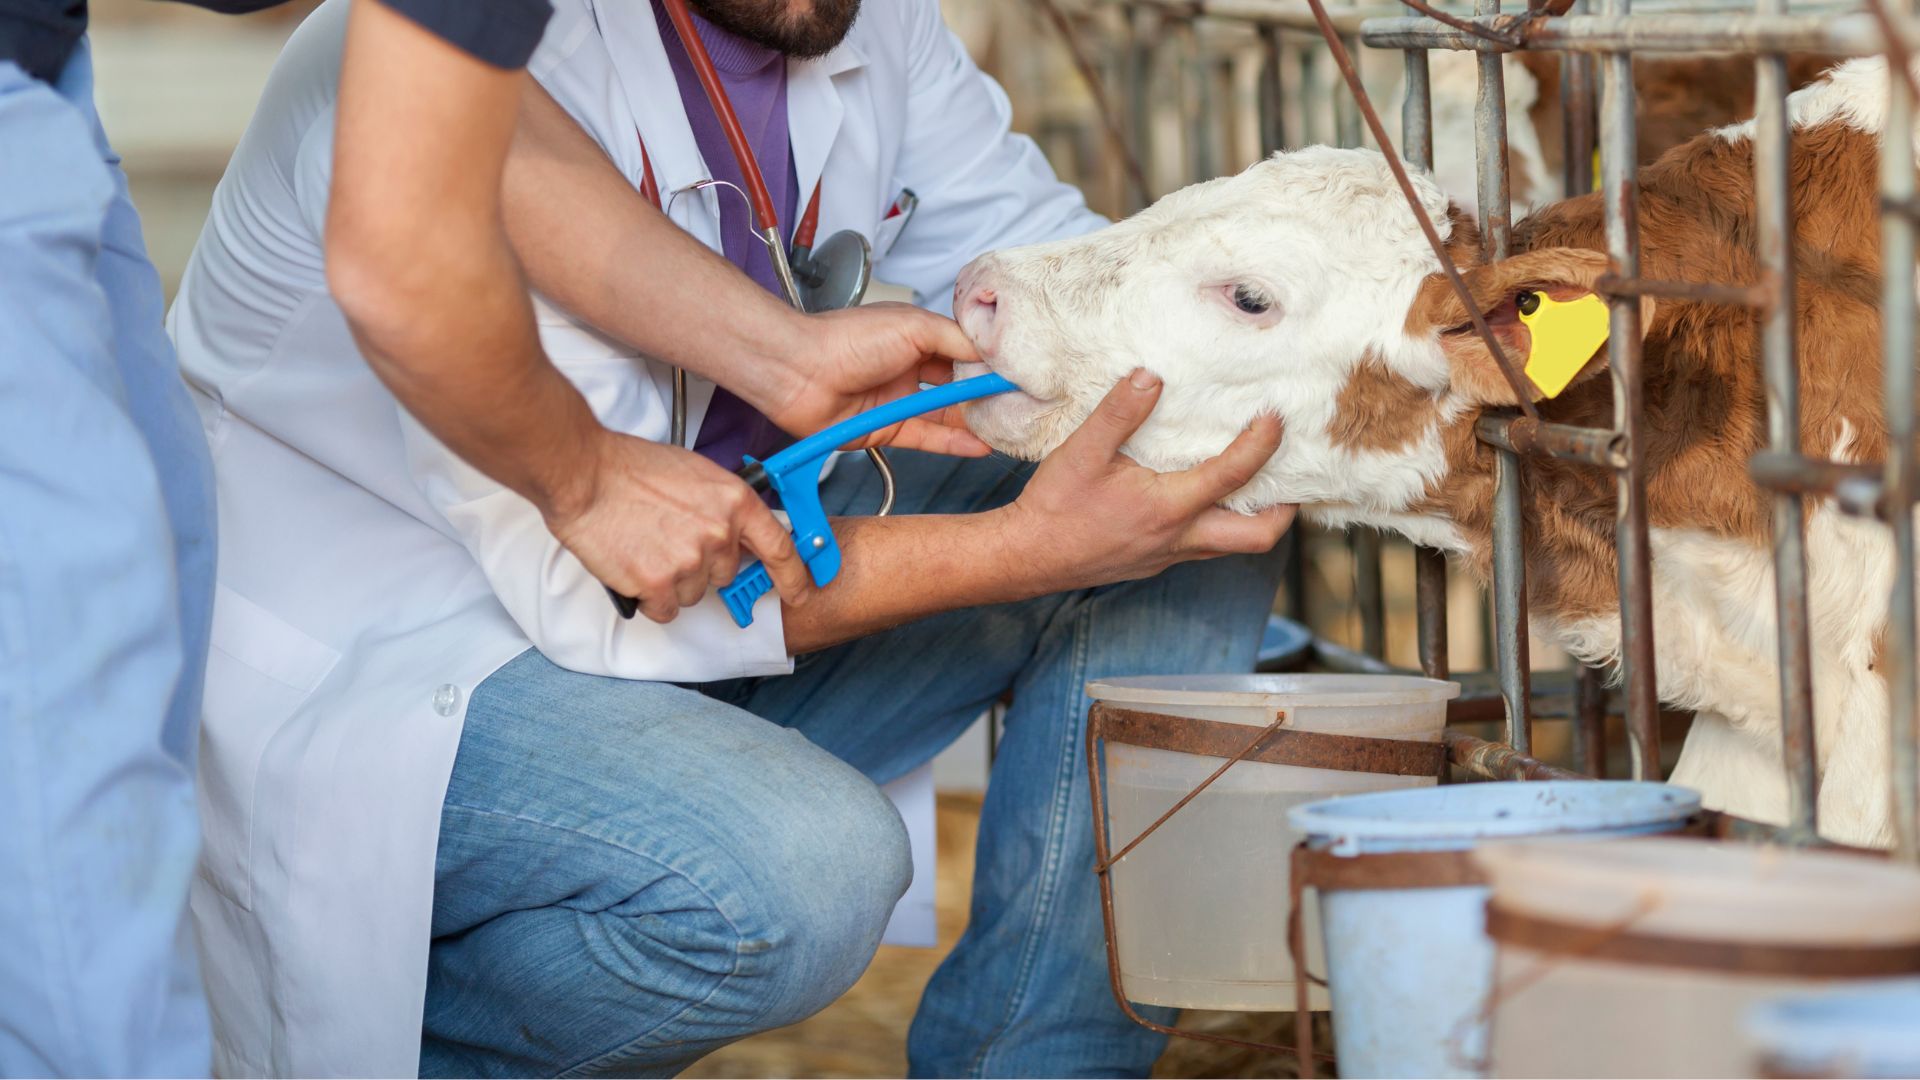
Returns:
(765,219)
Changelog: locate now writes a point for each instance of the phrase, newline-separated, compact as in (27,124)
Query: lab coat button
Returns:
(446,700)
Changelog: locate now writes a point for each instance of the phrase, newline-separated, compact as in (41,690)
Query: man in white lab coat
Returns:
(462,817)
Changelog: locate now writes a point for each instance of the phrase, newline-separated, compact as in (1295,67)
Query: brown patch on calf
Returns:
(1381,409)
(1705,412)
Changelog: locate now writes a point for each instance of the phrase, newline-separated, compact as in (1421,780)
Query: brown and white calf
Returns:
(1677,97)
(1303,287)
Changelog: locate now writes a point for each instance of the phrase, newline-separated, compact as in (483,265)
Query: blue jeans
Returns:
(106,579)
(633,874)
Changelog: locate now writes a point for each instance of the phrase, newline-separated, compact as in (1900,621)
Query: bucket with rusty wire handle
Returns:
(1691,917)
(1274,744)
(1319,868)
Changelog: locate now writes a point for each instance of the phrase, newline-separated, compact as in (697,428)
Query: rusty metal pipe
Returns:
(1510,599)
(1492,761)
(1619,148)
(1509,526)
(1429,565)
(1566,442)
(1854,489)
(1590,722)
(1346,111)
(1579,117)
(1898,319)
(1430,588)
(1369,592)
(1142,29)
(1616,32)
(1490,149)
(1273,92)
(1706,292)
(1779,355)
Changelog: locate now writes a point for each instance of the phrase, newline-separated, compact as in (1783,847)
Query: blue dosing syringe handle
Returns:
(795,473)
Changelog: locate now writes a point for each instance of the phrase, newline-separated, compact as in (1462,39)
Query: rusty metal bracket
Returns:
(1498,761)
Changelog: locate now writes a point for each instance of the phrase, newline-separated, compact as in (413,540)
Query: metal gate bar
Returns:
(1779,356)
(1898,315)
(1614,31)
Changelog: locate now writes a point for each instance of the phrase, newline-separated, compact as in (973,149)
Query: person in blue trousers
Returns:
(106,589)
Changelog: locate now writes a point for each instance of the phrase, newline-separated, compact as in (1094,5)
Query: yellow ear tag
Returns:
(1565,335)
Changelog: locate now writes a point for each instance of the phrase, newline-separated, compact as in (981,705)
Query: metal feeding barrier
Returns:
(1290,43)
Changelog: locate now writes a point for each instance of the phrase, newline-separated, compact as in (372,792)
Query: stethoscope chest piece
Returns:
(835,274)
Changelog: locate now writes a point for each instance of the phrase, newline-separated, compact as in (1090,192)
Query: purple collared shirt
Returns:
(756,81)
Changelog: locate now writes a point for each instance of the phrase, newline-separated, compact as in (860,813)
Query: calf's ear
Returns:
(1548,278)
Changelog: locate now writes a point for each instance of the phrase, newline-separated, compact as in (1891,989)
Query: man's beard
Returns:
(812,31)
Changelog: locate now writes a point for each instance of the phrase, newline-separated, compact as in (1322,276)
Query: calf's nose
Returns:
(976,306)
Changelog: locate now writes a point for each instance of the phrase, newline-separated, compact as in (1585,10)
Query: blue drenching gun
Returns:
(794,473)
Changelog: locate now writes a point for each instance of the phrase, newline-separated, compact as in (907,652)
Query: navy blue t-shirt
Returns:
(40,34)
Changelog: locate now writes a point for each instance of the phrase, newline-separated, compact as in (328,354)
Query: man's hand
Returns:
(846,362)
(664,524)
(1091,515)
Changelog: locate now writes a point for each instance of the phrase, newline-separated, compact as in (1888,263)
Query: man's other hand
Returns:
(845,362)
(663,524)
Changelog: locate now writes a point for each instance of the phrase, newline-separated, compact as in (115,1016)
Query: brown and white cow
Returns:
(1303,287)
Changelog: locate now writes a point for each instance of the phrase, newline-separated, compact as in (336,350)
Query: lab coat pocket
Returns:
(260,670)
(887,234)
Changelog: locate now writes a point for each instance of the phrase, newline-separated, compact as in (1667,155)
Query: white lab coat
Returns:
(369,580)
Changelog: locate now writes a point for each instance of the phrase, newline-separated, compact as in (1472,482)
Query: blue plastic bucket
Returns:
(1868,1031)
(1409,969)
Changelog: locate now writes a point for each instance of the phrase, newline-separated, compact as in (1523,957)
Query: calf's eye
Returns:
(1250,300)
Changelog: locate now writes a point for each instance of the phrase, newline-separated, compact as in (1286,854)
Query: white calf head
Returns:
(1301,287)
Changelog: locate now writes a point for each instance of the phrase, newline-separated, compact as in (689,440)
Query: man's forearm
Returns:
(898,569)
(418,259)
(591,244)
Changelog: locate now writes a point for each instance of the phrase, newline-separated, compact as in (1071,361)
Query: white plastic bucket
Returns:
(1588,1011)
(1409,968)
(1199,908)
(1869,1031)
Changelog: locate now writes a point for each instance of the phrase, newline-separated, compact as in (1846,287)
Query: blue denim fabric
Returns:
(632,874)
(106,579)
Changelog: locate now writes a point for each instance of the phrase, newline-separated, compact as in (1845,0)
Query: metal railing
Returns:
(1292,45)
